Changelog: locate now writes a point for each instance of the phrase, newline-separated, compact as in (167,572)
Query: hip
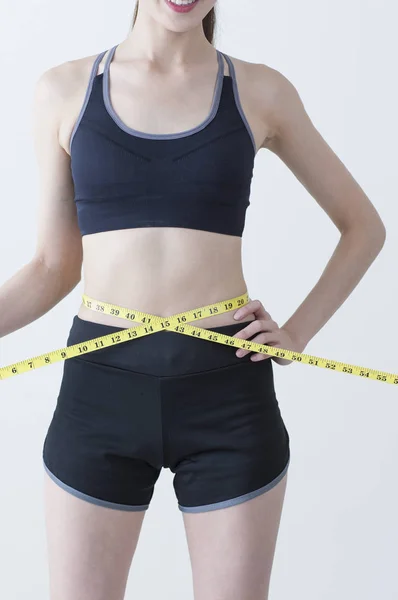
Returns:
(163,353)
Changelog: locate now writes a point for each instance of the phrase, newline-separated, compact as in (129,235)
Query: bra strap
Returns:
(230,65)
(109,60)
(93,73)
(220,73)
(232,74)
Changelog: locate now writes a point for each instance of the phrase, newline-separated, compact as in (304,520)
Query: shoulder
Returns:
(272,95)
(60,84)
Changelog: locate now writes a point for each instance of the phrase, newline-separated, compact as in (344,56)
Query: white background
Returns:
(339,529)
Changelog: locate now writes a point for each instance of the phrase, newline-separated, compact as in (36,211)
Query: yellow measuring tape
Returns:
(179,323)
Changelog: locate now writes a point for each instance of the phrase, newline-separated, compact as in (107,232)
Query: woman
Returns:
(146,155)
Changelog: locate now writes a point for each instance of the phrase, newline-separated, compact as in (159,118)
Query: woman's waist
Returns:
(161,299)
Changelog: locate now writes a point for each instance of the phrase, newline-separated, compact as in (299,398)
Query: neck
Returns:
(151,41)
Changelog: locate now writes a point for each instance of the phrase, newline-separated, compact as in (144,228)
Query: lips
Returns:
(181,8)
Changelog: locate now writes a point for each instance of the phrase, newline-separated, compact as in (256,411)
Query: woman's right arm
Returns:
(55,268)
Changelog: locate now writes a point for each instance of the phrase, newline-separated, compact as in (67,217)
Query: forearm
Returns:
(30,293)
(355,252)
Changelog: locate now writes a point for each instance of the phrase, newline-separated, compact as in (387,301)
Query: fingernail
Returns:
(239,353)
(236,316)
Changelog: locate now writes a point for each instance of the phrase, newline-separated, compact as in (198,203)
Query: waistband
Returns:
(163,353)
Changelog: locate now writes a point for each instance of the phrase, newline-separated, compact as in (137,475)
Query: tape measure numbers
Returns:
(179,323)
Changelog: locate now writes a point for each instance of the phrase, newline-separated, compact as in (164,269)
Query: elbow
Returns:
(364,221)
(371,233)
(65,274)
(382,234)
(376,233)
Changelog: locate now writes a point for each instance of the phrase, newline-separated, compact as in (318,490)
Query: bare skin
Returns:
(232,549)
(168,270)
(90,547)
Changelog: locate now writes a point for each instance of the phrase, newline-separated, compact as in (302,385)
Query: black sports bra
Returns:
(198,179)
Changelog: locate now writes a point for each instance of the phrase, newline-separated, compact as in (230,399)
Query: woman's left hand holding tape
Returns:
(267,330)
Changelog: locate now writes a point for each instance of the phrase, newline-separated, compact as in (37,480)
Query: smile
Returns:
(182,6)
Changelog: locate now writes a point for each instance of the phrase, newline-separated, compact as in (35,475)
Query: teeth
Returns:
(182,2)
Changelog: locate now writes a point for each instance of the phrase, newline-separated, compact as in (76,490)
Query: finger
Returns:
(281,361)
(254,307)
(266,338)
(257,326)
(269,340)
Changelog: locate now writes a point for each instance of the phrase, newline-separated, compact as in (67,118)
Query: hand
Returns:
(269,333)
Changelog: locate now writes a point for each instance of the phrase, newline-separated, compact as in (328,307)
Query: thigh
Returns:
(90,547)
(232,549)
(101,464)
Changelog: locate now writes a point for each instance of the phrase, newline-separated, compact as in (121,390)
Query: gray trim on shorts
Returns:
(238,499)
(93,74)
(237,100)
(91,499)
(162,136)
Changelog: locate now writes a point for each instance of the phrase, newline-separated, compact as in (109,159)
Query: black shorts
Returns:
(165,400)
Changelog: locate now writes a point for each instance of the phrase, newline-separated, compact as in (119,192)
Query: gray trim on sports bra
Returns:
(93,74)
(162,136)
(237,99)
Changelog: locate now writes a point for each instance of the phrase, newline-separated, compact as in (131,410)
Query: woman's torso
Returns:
(161,270)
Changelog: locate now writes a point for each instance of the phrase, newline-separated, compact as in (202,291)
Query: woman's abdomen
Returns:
(161,271)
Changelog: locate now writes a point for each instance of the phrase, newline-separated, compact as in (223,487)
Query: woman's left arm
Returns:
(301,147)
